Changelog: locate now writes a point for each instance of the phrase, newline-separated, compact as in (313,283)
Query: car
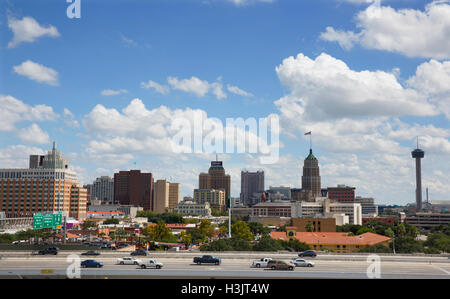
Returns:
(262,263)
(310,253)
(207,259)
(91,252)
(91,264)
(280,265)
(50,250)
(302,263)
(128,261)
(140,252)
(150,264)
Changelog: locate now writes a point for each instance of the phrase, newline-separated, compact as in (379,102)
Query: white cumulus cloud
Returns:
(28,30)
(37,72)
(410,32)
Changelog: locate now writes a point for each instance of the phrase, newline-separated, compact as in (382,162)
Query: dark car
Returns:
(207,259)
(310,253)
(91,264)
(50,250)
(140,252)
(91,252)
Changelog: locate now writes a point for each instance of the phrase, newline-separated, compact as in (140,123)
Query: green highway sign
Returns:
(47,221)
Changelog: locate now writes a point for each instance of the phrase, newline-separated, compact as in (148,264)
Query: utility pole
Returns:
(65,230)
(229,218)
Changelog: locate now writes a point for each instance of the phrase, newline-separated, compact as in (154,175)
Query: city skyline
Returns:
(369,102)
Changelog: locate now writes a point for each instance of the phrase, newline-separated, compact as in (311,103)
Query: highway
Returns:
(180,265)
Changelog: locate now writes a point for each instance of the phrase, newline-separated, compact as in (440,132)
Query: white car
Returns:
(302,263)
(128,261)
(150,264)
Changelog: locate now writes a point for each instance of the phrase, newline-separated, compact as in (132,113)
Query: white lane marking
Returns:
(443,270)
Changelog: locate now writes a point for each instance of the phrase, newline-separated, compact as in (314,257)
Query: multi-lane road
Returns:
(180,265)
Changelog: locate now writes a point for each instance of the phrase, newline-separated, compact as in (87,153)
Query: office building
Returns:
(48,186)
(428,220)
(341,193)
(368,206)
(324,208)
(276,209)
(252,185)
(216,198)
(134,188)
(102,189)
(278,193)
(311,175)
(318,224)
(215,178)
(190,208)
(174,195)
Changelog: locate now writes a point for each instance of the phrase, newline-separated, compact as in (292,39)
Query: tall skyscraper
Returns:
(215,178)
(418,154)
(102,189)
(311,175)
(134,188)
(165,196)
(47,186)
(174,195)
(252,186)
(161,196)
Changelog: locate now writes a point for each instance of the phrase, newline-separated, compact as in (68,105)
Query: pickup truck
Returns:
(262,263)
(207,259)
(150,264)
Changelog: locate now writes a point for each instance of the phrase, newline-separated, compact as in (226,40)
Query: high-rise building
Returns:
(174,195)
(134,188)
(342,193)
(252,185)
(166,195)
(161,196)
(102,189)
(215,178)
(311,175)
(47,186)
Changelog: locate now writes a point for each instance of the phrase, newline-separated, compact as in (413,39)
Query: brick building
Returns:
(134,188)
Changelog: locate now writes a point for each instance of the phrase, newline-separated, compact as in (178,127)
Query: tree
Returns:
(377,249)
(219,245)
(88,224)
(160,232)
(266,243)
(197,236)
(294,245)
(389,233)
(348,228)
(242,230)
(111,221)
(401,230)
(309,227)
(186,238)
(364,230)
(407,245)
(206,228)
(438,241)
(240,244)
(257,228)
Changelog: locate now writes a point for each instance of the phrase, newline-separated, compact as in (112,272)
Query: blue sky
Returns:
(364,99)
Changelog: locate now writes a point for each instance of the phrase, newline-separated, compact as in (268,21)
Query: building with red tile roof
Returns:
(338,242)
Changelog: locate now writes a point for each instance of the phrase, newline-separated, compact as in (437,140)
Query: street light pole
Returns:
(229,219)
